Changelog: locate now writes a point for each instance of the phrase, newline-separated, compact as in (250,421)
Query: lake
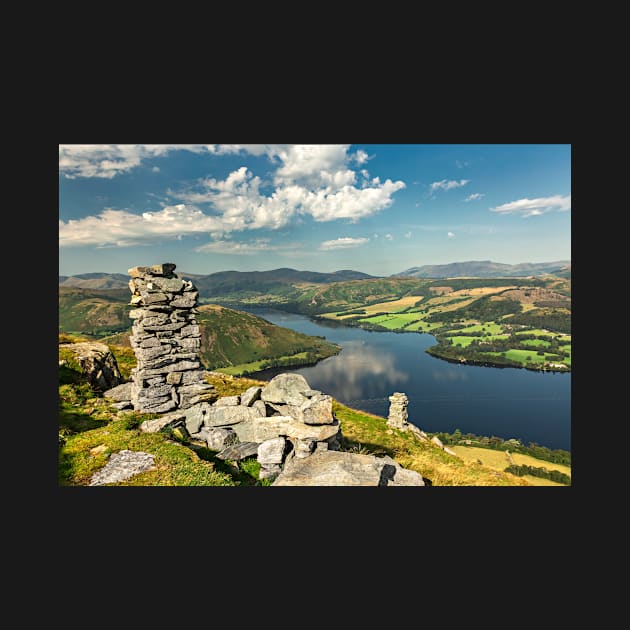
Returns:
(443,396)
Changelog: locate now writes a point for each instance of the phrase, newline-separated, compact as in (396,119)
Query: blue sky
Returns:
(376,208)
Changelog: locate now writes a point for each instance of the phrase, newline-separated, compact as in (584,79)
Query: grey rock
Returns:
(153,426)
(187,300)
(286,426)
(436,440)
(269,471)
(303,448)
(125,404)
(250,396)
(228,401)
(239,451)
(446,449)
(260,407)
(195,416)
(122,466)
(334,468)
(98,364)
(168,285)
(159,408)
(164,269)
(317,410)
(220,438)
(149,297)
(285,388)
(174,378)
(120,392)
(272,451)
(222,416)
(191,330)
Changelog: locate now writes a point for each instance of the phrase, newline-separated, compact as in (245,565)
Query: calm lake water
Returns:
(505,402)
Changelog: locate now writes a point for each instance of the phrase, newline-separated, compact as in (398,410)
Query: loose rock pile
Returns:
(166,339)
(283,420)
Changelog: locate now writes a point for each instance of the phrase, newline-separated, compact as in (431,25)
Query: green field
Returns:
(463,341)
(538,343)
(523,356)
(488,327)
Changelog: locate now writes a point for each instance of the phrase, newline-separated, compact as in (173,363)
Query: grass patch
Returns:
(370,434)
(499,460)
(175,464)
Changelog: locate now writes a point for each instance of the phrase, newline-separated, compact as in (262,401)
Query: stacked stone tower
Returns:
(398,411)
(166,340)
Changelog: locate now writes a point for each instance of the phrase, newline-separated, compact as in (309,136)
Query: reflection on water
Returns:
(531,406)
(362,372)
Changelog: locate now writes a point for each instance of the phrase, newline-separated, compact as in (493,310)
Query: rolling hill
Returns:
(238,341)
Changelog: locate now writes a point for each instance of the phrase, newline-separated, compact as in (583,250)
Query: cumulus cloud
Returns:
(343,243)
(311,180)
(389,237)
(360,157)
(450,234)
(475,196)
(448,184)
(407,235)
(535,207)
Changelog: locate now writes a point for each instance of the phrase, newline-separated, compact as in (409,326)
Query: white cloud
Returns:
(312,180)
(109,160)
(451,234)
(448,184)
(360,157)
(343,243)
(389,237)
(155,169)
(461,163)
(535,207)
(122,228)
(407,235)
(245,247)
(475,196)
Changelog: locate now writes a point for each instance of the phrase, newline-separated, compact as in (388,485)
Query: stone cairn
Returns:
(166,339)
(398,411)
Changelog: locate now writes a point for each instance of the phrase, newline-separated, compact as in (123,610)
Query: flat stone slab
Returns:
(335,468)
(239,451)
(122,466)
(120,392)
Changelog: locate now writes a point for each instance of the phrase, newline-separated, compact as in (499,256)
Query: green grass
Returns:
(176,465)
(463,341)
(523,356)
(489,327)
(538,343)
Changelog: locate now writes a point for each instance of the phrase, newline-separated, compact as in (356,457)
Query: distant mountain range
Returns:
(224,282)
(486,269)
(221,281)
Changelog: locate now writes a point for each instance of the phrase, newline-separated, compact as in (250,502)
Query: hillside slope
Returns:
(90,429)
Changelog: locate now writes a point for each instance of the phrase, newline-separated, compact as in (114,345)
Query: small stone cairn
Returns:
(398,411)
(166,340)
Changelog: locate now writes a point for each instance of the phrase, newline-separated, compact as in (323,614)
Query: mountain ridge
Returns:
(484,269)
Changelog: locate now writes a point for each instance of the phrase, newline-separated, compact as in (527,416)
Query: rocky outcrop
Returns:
(330,468)
(97,363)
(284,424)
(166,340)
